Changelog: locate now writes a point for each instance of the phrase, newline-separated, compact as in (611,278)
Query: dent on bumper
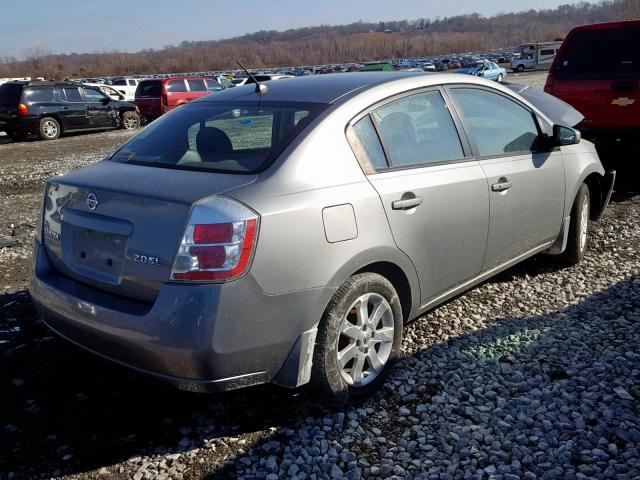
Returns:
(199,337)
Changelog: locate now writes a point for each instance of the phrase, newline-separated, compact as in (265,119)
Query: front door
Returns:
(434,194)
(74,111)
(100,111)
(526,186)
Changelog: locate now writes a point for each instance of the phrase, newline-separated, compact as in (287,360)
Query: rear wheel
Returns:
(358,339)
(130,120)
(578,228)
(49,128)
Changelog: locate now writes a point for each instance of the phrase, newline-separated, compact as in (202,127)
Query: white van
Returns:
(534,55)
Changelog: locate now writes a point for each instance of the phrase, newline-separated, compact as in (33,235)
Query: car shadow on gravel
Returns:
(65,411)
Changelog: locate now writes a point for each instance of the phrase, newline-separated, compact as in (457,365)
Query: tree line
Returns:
(328,44)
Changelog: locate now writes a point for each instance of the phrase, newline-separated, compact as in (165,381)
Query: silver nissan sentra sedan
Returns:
(287,235)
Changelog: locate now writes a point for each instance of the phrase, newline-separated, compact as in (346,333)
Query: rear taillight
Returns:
(548,86)
(218,243)
(23,110)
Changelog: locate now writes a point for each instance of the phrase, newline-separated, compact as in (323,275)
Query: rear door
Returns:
(526,186)
(74,112)
(197,88)
(177,93)
(100,111)
(433,191)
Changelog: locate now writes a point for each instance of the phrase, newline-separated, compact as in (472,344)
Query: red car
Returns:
(158,96)
(597,71)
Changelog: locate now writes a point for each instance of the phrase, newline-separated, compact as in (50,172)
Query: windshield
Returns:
(601,53)
(219,136)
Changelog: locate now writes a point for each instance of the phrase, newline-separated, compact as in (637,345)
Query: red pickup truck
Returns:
(597,71)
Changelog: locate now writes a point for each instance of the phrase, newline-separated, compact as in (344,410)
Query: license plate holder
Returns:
(99,252)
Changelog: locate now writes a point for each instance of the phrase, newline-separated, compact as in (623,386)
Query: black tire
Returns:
(48,128)
(129,120)
(577,241)
(326,377)
(520,68)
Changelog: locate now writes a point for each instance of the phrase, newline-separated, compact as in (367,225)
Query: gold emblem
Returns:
(623,101)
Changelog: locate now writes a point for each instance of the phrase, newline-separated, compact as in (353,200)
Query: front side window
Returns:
(132,83)
(92,95)
(219,136)
(197,85)
(213,85)
(176,86)
(73,94)
(497,124)
(418,130)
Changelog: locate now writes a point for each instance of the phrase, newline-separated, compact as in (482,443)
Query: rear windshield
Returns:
(151,89)
(601,53)
(10,94)
(219,136)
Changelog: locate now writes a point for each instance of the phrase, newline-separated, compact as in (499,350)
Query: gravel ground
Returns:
(534,374)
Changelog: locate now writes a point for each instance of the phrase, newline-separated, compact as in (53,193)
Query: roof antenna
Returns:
(260,89)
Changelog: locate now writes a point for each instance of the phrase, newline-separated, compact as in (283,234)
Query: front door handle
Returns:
(502,185)
(406,203)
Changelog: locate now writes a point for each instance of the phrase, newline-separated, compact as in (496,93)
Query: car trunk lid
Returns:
(117,226)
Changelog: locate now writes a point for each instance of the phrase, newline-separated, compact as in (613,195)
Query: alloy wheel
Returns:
(365,339)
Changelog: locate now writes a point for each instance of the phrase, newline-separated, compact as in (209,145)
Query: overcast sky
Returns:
(132,25)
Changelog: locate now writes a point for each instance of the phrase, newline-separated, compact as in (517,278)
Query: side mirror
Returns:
(565,136)
(105,100)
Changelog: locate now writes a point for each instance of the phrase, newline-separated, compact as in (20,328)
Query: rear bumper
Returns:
(198,337)
(19,125)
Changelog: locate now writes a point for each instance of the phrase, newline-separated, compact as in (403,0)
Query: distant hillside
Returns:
(356,42)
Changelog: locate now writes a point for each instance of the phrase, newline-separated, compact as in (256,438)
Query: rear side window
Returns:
(496,124)
(119,82)
(600,53)
(176,86)
(197,85)
(132,83)
(72,94)
(151,89)
(10,94)
(366,145)
(418,130)
(219,136)
(38,95)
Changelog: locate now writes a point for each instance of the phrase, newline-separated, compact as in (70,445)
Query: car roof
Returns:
(608,25)
(311,89)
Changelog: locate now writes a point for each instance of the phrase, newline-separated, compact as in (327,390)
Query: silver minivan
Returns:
(285,234)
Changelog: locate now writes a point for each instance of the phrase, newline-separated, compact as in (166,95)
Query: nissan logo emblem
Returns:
(92,201)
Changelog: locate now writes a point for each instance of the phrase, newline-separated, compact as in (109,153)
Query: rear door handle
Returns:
(502,185)
(406,203)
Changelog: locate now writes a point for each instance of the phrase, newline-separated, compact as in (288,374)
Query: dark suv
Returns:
(48,109)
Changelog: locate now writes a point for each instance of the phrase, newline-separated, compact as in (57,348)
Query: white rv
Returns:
(529,56)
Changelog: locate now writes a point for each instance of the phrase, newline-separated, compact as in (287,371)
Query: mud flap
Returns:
(296,370)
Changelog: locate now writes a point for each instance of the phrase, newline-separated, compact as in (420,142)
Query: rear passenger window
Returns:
(496,124)
(176,86)
(197,85)
(73,94)
(418,130)
(366,145)
(33,95)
